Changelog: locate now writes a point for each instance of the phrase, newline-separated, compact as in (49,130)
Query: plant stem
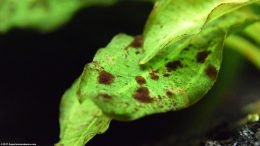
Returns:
(247,49)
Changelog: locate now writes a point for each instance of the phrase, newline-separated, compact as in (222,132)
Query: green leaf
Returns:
(170,84)
(176,77)
(44,15)
(79,122)
(173,20)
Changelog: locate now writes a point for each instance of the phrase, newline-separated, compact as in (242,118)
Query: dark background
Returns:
(37,68)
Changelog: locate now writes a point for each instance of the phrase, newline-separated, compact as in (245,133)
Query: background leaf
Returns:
(247,43)
(44,15)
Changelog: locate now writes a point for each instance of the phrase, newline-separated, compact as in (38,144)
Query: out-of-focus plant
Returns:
(171,66)
(43,15)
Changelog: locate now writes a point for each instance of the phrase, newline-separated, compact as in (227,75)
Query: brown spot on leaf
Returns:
(137,42)
(140,80)
(154,75)
(211,72)
(79,97)
(105,96)
(159,97)
(172,66)
(78,93)
(105,78)
(169,93)
(202,56)
(142,95)
(166,74)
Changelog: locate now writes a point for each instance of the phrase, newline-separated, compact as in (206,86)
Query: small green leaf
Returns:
(79,122)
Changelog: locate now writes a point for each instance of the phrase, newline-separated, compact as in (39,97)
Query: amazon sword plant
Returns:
(169,67)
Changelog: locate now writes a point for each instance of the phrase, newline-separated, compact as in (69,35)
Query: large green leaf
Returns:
(79,122)
(172,67)
(176,77)
(170,84)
